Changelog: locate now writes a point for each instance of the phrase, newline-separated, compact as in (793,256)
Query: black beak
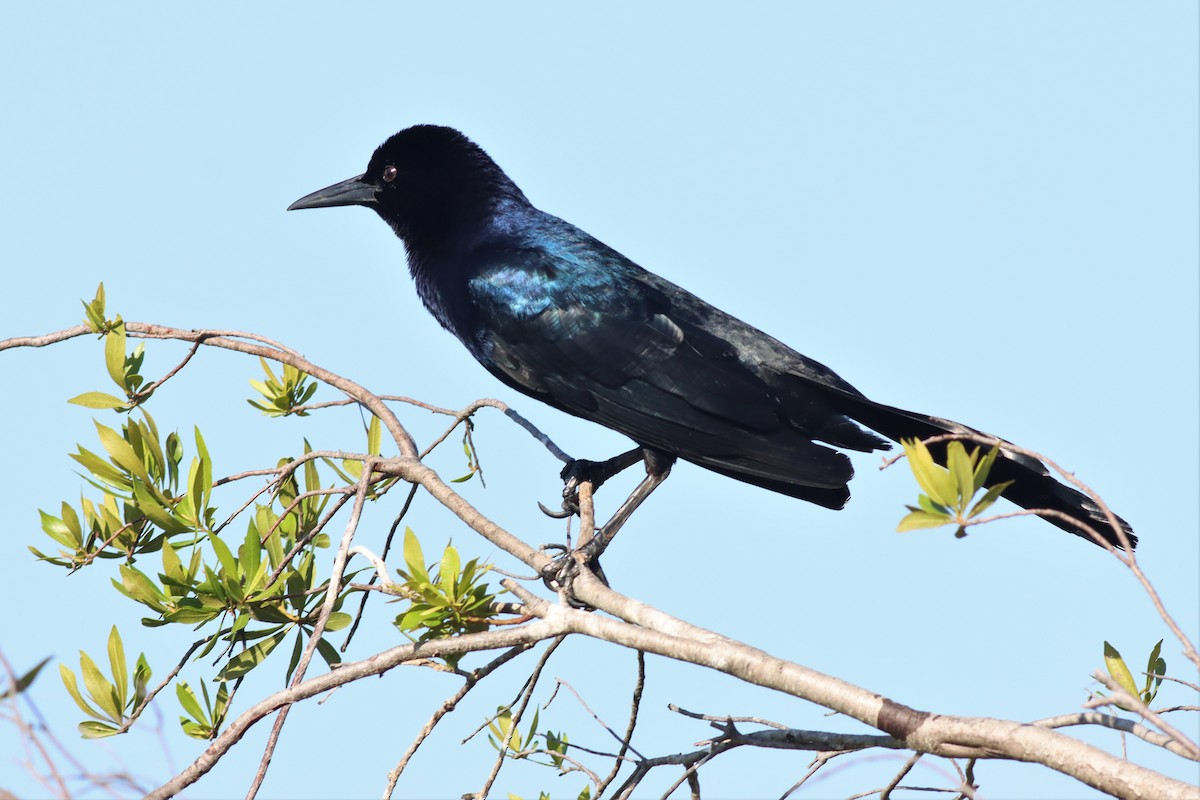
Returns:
(351,192)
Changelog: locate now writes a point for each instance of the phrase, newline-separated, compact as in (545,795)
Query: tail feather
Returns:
(1033,486)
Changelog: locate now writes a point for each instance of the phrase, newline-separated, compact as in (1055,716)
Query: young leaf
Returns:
(920,520)
(68,679)
(990,496)
(338,620)
(448,570)
(374,436)
(97,400)
(250,658)
(96,730)
(120,670)
(102,693)
(228,563)
(962,470)
(935,481)
(984,467)
(1119,672)
(58,530)
(189,701)
(114,354)
(1156,667)
(121,452)
(414,558)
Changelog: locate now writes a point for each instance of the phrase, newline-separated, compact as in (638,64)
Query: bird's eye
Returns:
(389,174)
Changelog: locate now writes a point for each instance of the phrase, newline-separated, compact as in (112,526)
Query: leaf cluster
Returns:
(125,369)
(447,601)
(283,394)
(153,509)
(114,702)
(1156,668)
(503,734)
(948,492)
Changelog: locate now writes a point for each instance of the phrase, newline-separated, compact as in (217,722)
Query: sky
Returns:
(983,211)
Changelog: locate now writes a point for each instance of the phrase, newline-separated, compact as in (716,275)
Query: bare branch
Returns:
(530,685)
(348,673)
(950,736)
(1124,698)
(1118,724)
(448,705)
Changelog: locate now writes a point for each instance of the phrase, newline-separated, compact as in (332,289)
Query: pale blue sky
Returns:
(982,211)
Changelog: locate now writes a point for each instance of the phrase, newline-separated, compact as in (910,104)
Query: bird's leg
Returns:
(594,472)
(658,467)
(559,573)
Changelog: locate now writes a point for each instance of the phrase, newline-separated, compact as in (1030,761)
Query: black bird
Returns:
(563,318)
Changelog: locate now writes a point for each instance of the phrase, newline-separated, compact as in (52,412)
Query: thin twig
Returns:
(886,793)
(627,739)
(1128,558)
(516,717)
(331,598)
(448,705)
(1120,695)
(1117,724)
(820,760)
(623,742)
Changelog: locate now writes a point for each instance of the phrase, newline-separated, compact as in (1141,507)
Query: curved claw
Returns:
(566,511)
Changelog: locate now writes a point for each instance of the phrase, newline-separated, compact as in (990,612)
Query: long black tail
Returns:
(1033,485)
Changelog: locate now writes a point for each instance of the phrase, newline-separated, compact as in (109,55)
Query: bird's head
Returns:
(430,183)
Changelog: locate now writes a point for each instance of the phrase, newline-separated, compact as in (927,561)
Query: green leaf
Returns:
(228,563)
(918,519)
(141,679)
(138,586)
(95,311)
(68,679)
(328,653)
(190,703)
(338,620)
(1156,667)
(984,467)
(191,613)
(250,658)
(114,354)
(58,530)
(962,471)
(172,566)
(1119,672)
(374,436)
(98,400)
(991,496)
(120,670)
(121,452)
(414,558)
(935,481)
(206,469)
(23,682)
(96,730)
(102,693)
(448,570)
(250,558)
(933,508)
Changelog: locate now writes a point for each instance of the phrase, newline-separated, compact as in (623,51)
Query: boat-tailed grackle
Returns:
(565,319)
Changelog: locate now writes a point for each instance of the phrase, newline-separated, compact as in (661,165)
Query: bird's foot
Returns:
(560,574)
(577,471)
